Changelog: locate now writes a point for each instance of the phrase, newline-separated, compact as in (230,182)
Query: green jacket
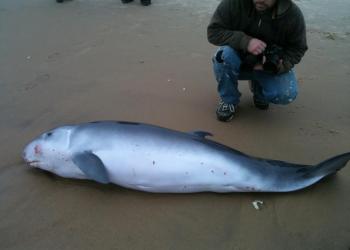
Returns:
(235,22)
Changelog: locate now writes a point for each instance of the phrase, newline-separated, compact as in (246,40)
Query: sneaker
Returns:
(261,104)
(225,111)
(145,2)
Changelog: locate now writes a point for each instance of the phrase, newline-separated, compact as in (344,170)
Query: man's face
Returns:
(262,5)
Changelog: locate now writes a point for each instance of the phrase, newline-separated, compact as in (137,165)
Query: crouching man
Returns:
(260,41)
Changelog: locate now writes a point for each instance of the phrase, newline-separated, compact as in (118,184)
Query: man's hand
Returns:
(280,64)
(256,46)
(260,66)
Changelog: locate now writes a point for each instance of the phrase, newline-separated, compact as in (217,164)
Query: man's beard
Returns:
(261,6)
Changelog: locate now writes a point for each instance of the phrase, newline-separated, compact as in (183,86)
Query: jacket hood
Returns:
(282,6)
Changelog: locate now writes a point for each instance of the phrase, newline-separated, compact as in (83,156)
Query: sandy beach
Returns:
(88,60)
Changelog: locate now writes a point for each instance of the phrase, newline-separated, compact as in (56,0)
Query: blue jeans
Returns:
(266,87)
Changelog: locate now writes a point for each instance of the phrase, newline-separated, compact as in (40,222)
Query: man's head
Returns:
(262,5)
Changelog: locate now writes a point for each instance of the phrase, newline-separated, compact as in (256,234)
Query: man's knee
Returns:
(283,97)
(227,56)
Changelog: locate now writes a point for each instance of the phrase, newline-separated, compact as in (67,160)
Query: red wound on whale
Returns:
(37,150)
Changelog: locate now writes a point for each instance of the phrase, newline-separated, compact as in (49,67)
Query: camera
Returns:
(272,53)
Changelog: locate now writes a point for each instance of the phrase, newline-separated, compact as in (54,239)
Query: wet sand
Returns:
(95,60)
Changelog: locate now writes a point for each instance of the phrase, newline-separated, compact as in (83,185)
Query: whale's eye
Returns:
(49,134)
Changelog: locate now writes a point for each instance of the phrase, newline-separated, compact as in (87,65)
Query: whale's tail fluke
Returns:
(327,167)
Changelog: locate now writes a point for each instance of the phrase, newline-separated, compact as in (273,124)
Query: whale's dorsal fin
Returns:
(200,133)
(92,166)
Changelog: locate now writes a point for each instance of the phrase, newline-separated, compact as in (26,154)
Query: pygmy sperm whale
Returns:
(155,159)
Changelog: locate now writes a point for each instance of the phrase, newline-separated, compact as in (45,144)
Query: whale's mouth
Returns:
(33,163)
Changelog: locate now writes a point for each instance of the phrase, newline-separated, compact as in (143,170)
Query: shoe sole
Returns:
(224,119)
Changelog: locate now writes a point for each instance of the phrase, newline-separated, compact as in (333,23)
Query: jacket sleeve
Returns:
(223,27)
(297,45)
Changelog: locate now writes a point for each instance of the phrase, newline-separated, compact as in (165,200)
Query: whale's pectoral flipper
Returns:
(92,166)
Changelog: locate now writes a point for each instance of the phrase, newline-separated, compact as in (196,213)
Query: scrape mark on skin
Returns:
(153,162)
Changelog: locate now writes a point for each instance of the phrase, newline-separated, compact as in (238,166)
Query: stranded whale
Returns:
(155,159)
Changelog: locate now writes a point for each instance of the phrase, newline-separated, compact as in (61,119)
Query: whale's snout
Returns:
(29,154)
(25,154)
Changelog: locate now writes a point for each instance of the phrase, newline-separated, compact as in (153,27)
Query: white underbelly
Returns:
(167,171)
